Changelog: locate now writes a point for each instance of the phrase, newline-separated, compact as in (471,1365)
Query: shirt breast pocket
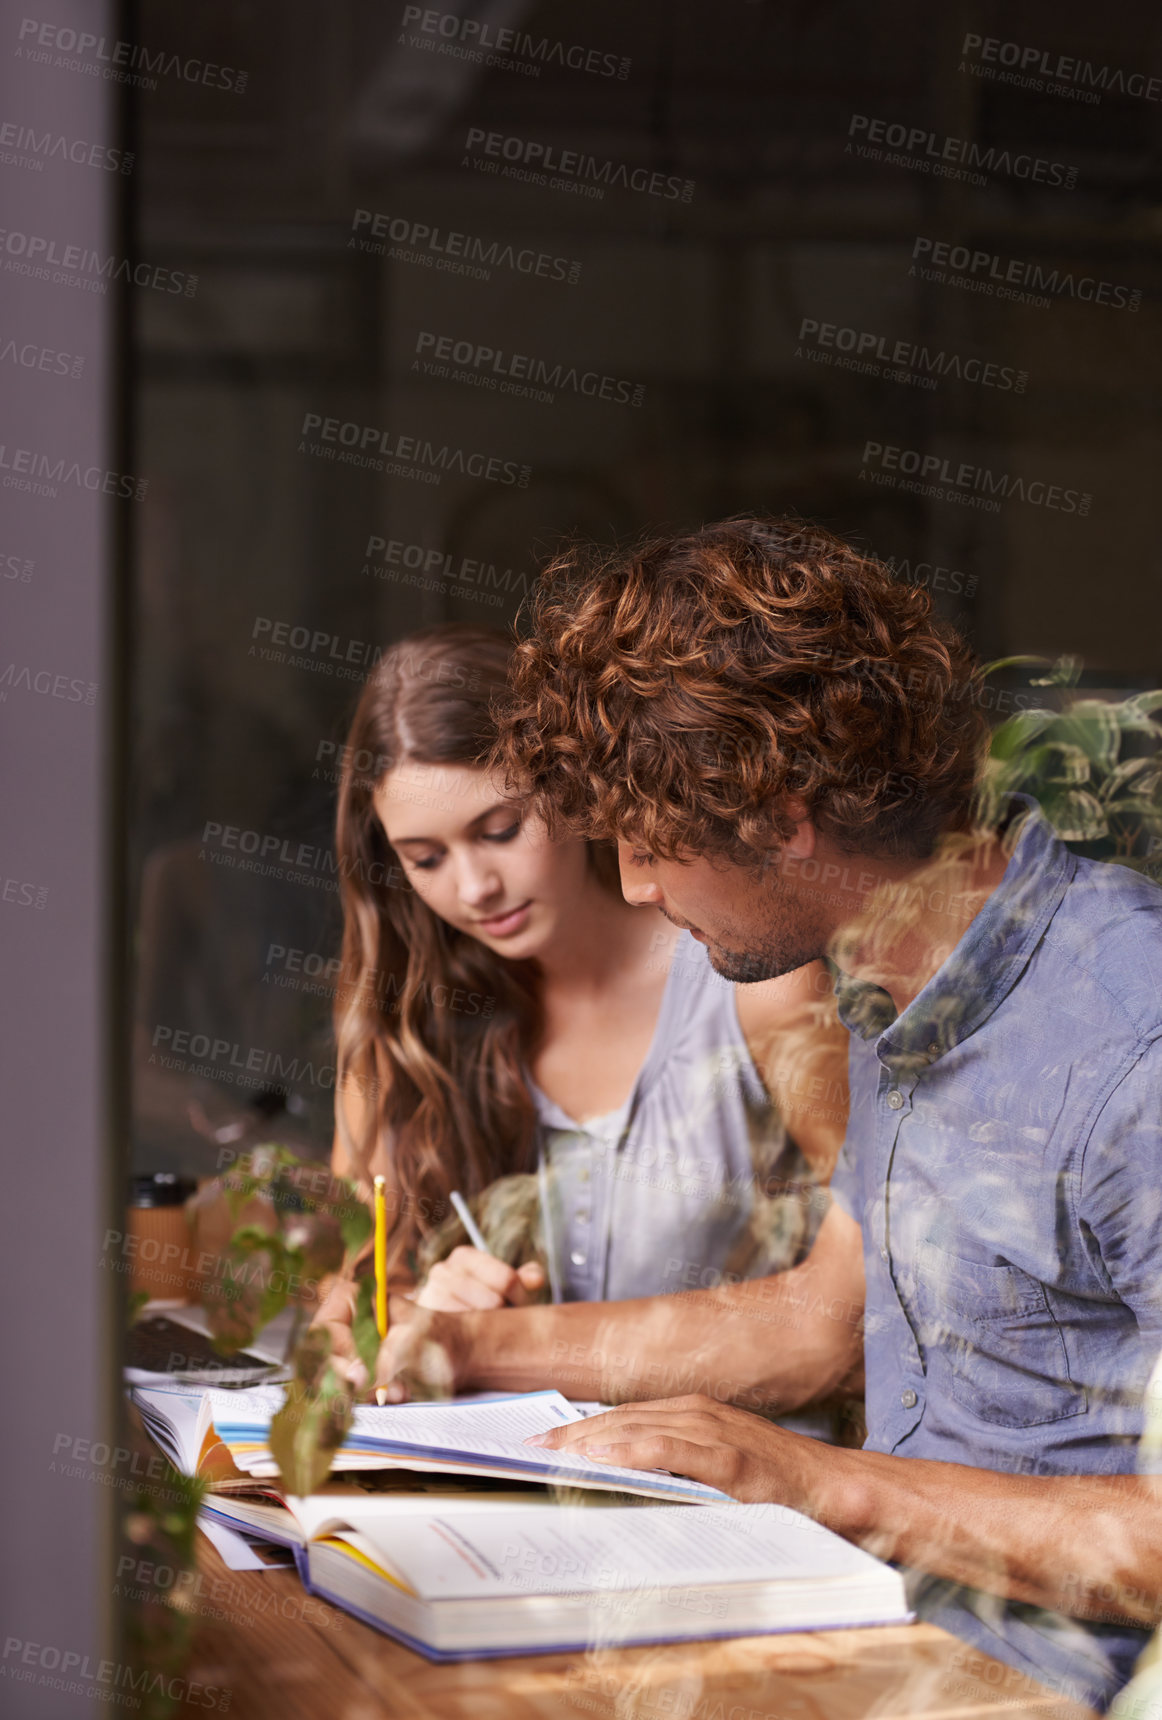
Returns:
(991,1342)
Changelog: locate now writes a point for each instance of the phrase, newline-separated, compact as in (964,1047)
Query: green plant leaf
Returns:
(315,1241)
(1145,770)
(249,1237)
(1075,814)
(1031,764)
(251,1280)
(1010,663)
(311,1425)
(1025,773)
(1015,736)
(1091,726)
(1066,672)
(1143,704)
(364,1331)
(273,1300)
(355,1223)
(1068,765)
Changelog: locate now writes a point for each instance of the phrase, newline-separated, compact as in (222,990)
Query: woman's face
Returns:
(477,860)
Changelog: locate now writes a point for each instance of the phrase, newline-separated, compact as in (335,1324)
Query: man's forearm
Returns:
(1090,1546)
(772,1343)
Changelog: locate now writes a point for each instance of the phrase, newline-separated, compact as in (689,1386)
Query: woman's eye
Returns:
(505,835)
(428,864)
(641,859)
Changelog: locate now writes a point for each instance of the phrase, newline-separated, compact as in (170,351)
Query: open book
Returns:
(262,1510)
(461,1567)
(464,1581)
(217,1433)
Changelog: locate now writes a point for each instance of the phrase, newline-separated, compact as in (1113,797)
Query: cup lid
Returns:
(161,1188)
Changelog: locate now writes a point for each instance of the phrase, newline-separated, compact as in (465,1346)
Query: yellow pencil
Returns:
(381,1256)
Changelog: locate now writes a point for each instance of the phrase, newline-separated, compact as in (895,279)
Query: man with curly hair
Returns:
(785,744)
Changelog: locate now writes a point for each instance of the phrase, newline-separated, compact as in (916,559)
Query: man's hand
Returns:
(1049,1541)
(739,1453)
(469,1279)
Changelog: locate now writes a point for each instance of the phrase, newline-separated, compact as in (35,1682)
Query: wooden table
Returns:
(283,1655)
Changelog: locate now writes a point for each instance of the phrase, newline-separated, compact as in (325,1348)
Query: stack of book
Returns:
(463,1548)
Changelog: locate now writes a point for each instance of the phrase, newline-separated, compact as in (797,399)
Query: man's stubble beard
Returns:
(789,941)
(765,961)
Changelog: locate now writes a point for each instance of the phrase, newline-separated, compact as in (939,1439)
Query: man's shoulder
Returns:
(1108,933)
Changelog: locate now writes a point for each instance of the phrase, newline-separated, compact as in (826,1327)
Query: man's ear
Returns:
(801,845)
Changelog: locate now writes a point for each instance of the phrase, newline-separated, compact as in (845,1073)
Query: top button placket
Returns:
(896,1101)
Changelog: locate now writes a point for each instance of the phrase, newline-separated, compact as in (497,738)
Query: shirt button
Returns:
(883,1254)
(577,1257)
(582,1218)
(895,1099)
(908,1398)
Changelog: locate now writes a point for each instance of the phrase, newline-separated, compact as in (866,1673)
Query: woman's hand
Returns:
(418,1358)
(335,1314)
(426,1351)
(468,1279)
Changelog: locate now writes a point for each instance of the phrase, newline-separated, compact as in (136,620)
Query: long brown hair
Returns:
(432,1027)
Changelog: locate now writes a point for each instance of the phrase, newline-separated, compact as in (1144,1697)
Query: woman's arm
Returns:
(776,1342)
(800,1049)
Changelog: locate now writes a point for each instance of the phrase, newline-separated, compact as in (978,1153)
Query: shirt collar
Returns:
(988,960)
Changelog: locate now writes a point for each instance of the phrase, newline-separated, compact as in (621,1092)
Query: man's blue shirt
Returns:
(1004,1159)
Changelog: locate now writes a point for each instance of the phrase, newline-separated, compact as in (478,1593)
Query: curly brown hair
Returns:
(677,695)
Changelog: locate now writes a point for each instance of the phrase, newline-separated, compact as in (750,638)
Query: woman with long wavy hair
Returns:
(507,1022)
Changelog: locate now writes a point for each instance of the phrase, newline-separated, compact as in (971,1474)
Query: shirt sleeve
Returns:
(1120,1190)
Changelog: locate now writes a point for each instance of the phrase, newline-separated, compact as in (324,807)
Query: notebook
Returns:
(222,1433)
(465,1581)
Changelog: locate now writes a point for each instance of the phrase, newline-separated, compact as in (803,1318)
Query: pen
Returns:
(381,1267)
(469,1223)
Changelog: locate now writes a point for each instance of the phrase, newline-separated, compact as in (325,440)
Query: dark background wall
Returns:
(814,246)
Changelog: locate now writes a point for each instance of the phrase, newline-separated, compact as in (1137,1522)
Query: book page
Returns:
(171,1417)
(462,1423)
(495,1432)
(487,1433)
(563,1550)
(319,1515)
(496,1424)
(251,1407)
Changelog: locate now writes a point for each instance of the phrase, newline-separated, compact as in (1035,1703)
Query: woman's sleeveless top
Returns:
(693,1182)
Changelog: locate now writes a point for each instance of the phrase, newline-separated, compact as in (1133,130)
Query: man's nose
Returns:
(637,887)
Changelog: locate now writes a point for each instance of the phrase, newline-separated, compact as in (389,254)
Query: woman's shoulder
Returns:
(763,1006)
(800,1047)
(771,1005)
(691,972)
